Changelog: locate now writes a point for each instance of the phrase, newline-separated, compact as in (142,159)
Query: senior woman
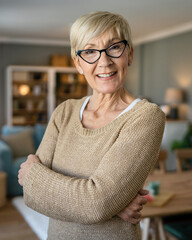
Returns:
(97,151)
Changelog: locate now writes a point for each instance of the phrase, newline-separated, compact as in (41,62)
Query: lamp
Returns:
(173,97)
(24,89)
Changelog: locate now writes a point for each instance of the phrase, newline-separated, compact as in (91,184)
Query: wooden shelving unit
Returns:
(33,92)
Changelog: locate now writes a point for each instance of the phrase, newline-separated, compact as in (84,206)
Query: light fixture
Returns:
(173,97)
(24,89)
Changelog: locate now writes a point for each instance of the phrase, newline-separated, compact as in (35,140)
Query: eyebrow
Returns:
(108,42)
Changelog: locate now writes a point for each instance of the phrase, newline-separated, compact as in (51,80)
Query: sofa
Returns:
(16,143)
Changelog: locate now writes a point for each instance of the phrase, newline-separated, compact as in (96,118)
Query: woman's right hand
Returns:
(132,212)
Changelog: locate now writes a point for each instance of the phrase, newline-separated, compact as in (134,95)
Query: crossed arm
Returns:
(131,213)
(128,195)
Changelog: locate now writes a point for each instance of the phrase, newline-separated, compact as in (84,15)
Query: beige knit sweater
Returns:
(87,176)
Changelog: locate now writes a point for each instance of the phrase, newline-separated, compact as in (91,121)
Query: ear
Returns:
(130,57)
(77,65)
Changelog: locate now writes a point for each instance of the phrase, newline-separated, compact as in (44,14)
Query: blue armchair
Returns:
(10,163)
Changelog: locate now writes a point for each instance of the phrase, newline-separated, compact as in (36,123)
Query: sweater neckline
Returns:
(90,132)
(131,105)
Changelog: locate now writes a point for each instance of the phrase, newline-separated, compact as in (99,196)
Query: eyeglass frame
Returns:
(102,50)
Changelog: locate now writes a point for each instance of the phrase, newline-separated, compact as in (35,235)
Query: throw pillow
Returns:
(21,143)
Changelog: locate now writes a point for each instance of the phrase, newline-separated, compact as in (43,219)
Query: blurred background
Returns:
(33,32)
(37,74)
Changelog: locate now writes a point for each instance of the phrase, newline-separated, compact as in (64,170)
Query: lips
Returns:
(104,75)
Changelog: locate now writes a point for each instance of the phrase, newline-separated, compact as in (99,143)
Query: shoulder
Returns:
(145,115)
(147,120)
(148,110)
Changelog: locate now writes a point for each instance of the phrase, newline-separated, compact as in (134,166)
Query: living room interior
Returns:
(37,73)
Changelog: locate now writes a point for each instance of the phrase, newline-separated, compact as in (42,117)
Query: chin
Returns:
(108,90)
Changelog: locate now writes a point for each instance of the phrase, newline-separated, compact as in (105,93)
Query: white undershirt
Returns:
(124,111)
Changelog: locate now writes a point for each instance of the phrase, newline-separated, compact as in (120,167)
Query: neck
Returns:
(117,101)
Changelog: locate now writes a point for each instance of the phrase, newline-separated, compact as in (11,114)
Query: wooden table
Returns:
(180,183)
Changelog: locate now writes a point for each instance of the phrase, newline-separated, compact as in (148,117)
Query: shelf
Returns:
(44,87)
(30,82)
(42,96)
(25,111)
(69,95)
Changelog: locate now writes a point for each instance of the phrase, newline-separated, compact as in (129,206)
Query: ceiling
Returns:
(49,21)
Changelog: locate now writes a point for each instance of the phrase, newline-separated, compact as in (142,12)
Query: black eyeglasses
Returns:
(92,55)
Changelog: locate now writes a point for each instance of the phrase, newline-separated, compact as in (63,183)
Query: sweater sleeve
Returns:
(119,176)
(50,137)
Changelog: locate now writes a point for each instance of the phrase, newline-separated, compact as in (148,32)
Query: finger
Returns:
(135,221)
(139,208)
(125,217)
(135,207)
(134,211)
(137,215)
(20,180)
(22,165)
(138,200)
(133,214)
(32,159)
(130,219)
(143,192)
(141,200)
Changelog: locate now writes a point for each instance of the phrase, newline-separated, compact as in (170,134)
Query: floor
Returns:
(13,226)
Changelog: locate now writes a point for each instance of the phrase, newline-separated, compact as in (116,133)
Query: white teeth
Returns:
(106,74)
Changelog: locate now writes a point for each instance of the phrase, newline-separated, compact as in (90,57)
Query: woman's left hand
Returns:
(132,212)
(25,167)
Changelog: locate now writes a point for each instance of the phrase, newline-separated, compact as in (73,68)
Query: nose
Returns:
(104,60)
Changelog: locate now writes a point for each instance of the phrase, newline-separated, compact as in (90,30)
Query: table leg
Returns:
(154,228)
(146,225)
(160,228)
(156,225)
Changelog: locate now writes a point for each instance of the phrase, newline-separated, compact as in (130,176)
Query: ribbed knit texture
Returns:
(88,175)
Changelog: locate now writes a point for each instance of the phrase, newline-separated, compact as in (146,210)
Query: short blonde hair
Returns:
(95,24)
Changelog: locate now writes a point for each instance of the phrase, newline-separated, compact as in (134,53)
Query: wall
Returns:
(156,66)
(162,64)
(133,83)
(19,54)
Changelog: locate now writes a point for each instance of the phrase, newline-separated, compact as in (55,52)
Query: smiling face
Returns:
(107,75)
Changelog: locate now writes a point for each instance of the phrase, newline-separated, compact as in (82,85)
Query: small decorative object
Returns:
(21,76)
(29,105)
(18,120)
(59,61)
(37,90)
(173,97)
(37,76)
(71,78)
(155,187)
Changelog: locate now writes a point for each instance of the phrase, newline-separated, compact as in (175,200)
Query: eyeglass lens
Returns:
(92,55)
